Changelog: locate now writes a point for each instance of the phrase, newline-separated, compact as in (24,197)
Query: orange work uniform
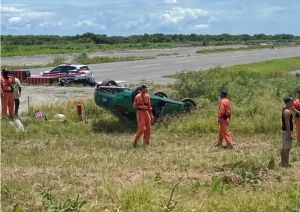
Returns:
(297,118)
(224,114)
(144,116)
(7,96)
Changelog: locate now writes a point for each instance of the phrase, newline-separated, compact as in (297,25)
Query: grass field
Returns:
(29,50)
(72,166)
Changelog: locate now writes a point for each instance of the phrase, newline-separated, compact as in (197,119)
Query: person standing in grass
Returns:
(144,115)
(17,93)
(7,96)
(296,109)
(224,115)
(286,131)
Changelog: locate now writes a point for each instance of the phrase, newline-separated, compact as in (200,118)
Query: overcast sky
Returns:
(132,17)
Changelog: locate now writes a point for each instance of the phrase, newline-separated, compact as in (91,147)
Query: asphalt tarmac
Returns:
(155,70)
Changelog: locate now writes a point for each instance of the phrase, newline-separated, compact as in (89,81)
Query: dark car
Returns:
(119,100)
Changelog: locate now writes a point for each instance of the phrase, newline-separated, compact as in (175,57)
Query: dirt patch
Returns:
(44,95)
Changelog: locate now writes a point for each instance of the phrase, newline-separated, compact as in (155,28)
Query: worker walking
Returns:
(17,93)
(224,115)
(7,96)
(286,131)
(296,109)
(144,115)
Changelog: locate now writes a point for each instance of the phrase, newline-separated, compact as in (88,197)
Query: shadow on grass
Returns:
(114,126)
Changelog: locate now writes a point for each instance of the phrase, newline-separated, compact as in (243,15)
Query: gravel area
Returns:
(43,95)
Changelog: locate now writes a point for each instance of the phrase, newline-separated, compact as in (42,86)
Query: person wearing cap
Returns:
(17,92)
(224,115)
(144,115)
(7,96)
(296,109)
(286,131)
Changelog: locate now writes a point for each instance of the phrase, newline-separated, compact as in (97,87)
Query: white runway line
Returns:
(107,69)
(148,65)
(186,61)
(242,55)
(215,58)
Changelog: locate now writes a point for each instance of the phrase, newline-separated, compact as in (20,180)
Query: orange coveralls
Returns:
(143,116)
(297,118)
(224,113)
(7,96)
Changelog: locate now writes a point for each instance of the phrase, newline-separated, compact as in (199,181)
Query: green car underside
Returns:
(120,101)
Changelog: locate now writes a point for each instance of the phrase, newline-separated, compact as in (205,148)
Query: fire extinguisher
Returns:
(79,109)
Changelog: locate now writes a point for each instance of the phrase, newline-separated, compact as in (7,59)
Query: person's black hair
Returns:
(223,93)
(5,72)
(144,86)
(288,99)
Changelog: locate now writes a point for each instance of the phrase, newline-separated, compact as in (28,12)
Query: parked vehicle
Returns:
(119,100)
(66,70)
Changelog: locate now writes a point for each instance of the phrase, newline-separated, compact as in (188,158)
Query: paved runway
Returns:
(154,70)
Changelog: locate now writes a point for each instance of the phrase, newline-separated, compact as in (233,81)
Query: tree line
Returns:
(92,38)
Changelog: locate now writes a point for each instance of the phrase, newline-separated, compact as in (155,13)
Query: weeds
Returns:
(52,205)
(168,204)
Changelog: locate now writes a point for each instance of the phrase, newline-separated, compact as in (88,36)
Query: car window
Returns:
(84,68)
(72,68)
(64,69)
(56,70)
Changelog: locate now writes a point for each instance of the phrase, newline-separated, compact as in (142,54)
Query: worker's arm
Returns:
(296,111)
(139,103)
(296,105)
(20,89)
(221,111)
(287,115)
(150,109)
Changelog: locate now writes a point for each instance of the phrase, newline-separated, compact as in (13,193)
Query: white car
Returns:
(69,70)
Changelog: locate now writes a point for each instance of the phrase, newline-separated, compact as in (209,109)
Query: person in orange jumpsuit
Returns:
(144,115)
(7,95)
(296,109)
(224,115)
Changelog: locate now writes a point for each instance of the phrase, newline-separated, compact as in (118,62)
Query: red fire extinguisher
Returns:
(79,109)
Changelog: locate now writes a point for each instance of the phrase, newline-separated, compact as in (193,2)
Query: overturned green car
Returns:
(119,100)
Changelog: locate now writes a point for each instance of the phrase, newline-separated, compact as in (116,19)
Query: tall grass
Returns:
(256,92)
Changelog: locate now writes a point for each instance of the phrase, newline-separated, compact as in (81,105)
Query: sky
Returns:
(138,17)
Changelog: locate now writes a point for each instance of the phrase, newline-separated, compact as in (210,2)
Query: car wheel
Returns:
(189,105)
(61,82)
(108,82)
(161,94)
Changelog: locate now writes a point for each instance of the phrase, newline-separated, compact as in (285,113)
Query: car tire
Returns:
(108,82)
(160,94)
(61,82)
(189,104)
